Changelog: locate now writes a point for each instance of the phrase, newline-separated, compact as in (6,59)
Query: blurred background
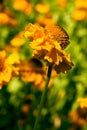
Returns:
(19,100)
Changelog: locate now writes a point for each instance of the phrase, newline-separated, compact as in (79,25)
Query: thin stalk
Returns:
(43,98)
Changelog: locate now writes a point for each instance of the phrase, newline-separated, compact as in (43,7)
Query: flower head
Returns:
(81,4)
(79,15)
(45,20)
(7,67)
(62,3)
(42,8)
(48,44)
(18,40)
(23,6)
(33,71)
(5,19)
(83,102)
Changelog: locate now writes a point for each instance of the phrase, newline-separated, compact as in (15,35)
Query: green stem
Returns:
(43,98)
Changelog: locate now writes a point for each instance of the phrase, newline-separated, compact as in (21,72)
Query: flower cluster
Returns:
(48,44)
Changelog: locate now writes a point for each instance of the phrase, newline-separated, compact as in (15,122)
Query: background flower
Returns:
(7,68)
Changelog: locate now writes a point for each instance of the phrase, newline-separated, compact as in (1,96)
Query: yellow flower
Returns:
(18,40)
(22,5)
(46,20)
(7,68)
(81,4)
(5,19)
(48,46)
(83,102)
(33,71)
(79,15)
(42,8)
(78,117)
(10,49)
(62,3)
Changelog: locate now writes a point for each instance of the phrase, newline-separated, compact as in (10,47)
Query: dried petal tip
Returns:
(59,34)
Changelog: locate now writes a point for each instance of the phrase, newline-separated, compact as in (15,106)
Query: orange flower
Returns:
(62,3)
(5,19)
(33,71)
(43,21)
(18,40)
(42,8)
(8,48)
(49,47)
(22,5)
(7,68)
(83,102)
(81,4)
(78,117)
(79,14)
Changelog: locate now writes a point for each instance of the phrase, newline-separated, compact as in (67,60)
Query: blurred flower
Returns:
(62,3)
(23,6)
(43,21)
(81,10)
(83,102)
(5,19)
(79,15)
(8,48)
(78,118)
(33,71)
(8,68)
(18,40)
(1,5)
(81,4)
(49,46)
(25,108)
(6,16)
(42,8)
(27,104)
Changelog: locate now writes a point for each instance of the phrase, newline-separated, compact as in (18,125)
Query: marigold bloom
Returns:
(43,21)
(22,5)
(62,3)
(18,40)
(10,49)
(5,19)
(33,71)
(78,117)
(7,68)
(79,15)
(42,8)
(83,102)
(49,47)
(81,4)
